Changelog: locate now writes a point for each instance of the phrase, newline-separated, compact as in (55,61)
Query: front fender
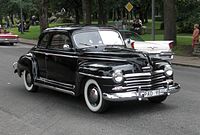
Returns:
(104,69)
(100,71)
(27,62)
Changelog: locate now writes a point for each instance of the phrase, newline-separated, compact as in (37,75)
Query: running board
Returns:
(55,88)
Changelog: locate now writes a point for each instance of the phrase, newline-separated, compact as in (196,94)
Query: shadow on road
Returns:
(77,104)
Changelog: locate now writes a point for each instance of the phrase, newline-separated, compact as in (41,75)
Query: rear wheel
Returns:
(158,99)
(93,97)
(28,82)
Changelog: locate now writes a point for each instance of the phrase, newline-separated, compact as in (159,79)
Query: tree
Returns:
(43,14)
(72,8)
(86,7)
(169,20)
(186,20)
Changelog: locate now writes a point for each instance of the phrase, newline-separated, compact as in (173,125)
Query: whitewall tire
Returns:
(28,83)
(93,96)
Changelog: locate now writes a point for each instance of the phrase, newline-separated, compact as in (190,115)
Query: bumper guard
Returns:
(15,67)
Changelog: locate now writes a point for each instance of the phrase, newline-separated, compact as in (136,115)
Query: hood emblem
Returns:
(148,68)
(152,48)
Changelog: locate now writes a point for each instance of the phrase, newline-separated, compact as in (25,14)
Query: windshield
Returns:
(98,38)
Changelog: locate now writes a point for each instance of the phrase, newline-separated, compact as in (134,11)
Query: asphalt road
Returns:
(53,113)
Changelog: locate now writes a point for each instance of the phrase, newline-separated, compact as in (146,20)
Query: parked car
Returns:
(156,49)
(8,38)
(94,62)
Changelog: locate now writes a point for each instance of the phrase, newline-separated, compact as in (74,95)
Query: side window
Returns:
(58,40)
(44,41)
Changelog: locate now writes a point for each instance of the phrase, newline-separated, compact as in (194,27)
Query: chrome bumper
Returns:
(9,40)
(15,67)
(139,95)
(162,55)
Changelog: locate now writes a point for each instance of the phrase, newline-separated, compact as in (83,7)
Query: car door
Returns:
(61,61)
(39,53)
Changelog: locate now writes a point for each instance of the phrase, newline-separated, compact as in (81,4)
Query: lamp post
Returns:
(153,20)
(21,16)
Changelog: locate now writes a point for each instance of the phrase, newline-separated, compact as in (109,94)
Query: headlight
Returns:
(168,70)
(118,76)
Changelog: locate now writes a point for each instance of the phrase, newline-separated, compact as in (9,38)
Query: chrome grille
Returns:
(147,81)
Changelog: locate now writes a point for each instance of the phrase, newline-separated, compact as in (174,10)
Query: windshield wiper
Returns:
(91,46)
(85,44)
(114,48)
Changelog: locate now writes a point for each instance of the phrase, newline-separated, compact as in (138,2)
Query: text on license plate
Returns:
(153,93)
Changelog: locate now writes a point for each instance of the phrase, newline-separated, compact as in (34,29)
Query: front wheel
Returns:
(93,97)
(28,82)
(158,99)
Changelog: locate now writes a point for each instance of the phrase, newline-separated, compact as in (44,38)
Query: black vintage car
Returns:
(94,62)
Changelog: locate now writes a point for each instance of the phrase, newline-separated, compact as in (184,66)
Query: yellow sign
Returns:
(129,6)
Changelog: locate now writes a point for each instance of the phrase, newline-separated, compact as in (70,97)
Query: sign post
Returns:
(129,8)
(21,15)
(153,20)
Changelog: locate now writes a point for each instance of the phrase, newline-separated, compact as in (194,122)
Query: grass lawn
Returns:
(33,33)
(181,39)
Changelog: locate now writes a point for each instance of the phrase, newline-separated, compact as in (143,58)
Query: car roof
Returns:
(72,28)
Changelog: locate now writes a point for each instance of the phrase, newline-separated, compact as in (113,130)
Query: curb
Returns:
(186,65)
(27,43)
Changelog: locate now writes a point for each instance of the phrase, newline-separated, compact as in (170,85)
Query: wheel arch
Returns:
(28,62)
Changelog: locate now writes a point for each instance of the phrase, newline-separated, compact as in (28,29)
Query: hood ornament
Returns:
(152,48)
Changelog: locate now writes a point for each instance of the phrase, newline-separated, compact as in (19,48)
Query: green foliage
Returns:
(33,32)
(188,14)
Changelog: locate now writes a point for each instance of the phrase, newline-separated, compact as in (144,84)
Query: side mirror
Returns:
(66,47)
(128,42)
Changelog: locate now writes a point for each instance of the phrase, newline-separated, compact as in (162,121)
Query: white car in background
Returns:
(155,49)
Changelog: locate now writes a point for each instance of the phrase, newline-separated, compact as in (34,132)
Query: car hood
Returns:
(117,55)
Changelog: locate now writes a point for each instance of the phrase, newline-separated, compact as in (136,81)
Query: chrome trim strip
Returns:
(157,78)
(137,81)
(129,86)
(90,75)
(143,74)
(158,72)
(59,55)
(102,59)
(135,86)
(145,68)
(69,56)
(69,86)
(55,88)
(137,75)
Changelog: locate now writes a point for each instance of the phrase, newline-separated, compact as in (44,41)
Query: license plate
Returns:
(153,93)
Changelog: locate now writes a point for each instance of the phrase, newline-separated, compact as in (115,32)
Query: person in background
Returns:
(195,35)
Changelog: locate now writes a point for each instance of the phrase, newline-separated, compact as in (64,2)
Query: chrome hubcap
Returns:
(93,96)
(28,79)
